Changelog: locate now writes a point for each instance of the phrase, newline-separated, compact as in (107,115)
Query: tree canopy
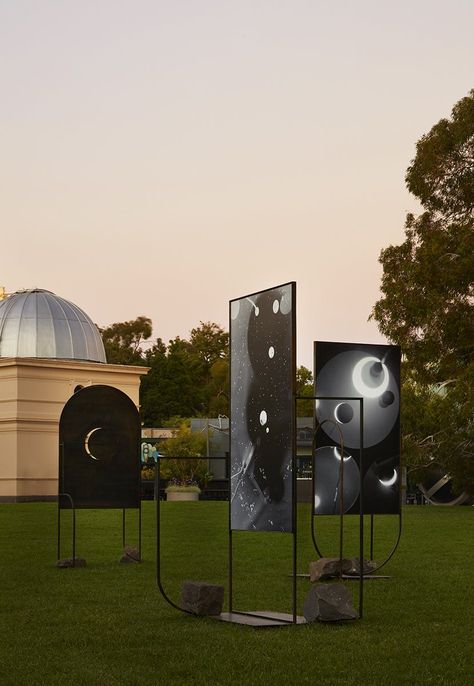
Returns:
(123,340)
(187,378)
(427,303)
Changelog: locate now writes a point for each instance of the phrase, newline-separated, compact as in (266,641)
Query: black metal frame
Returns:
(341,478)
(73,508)
(158,529)
(276,618)
(361,513)
(256,619)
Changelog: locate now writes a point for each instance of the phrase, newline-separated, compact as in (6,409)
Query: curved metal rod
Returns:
(313,535)
(318,426)
(67,495)
(158,535)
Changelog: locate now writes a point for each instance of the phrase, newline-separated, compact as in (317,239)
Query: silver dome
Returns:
(38,323)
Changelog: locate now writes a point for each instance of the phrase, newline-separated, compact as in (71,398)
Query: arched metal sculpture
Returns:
(99,454)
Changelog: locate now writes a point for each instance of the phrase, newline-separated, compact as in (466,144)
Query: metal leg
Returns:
(371,537)
(123,527)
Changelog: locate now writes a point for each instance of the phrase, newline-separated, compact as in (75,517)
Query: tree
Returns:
(187,378)
(442,173)
(427,303)
(123,340)
(185,443)
(209,342)
(304,387)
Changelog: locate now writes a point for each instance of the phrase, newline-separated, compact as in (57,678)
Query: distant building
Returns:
(49,349)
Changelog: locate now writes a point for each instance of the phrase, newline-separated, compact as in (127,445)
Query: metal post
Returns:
(295,511)
(59,530)
(73,536)
(371,537)
(361,510)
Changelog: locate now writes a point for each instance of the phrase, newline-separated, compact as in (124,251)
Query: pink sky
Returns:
(161,158)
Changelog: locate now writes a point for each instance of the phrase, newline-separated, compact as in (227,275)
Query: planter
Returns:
(182,495)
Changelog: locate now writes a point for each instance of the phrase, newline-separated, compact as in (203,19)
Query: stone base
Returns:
(201,598)
(329,603)
(71,562)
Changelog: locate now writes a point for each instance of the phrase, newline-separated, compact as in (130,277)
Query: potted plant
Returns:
(186,477)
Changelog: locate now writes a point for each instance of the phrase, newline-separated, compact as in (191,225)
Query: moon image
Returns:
(391,481)
(86,442)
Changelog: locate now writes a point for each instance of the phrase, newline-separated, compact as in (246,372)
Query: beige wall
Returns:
(33,393)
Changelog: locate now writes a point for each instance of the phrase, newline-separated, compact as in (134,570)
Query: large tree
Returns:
(123,341)
(427,303)
(188,377)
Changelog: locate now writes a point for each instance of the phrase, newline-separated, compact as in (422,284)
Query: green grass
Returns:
(108,624)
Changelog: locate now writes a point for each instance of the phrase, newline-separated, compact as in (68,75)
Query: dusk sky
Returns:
(160,158)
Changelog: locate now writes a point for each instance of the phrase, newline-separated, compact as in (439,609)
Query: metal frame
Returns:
(361,513)
(158,530)
(277,619)
(256,619)
(341,500)
(73,508)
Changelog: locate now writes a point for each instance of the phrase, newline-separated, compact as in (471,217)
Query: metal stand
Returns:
(360,576)
(361,513)
(73,508)
(258,619)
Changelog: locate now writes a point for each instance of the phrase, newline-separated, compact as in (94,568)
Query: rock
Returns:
(328,567)
(368,566)
(130,555)
(329,603)
(202,598)
(71,562)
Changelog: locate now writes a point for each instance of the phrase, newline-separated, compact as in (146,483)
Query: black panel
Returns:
(373,373)
(262,328)
(99,451)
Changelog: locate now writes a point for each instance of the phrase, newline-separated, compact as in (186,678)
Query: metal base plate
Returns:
(352,577)
(259,619)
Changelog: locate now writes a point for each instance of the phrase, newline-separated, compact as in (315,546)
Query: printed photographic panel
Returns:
(99,451)
(262,435)
(371,372)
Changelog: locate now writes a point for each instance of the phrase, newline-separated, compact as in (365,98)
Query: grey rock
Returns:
(71,562)
(328,567)
(202,598)
(368,566)
(329,603)
(130,555)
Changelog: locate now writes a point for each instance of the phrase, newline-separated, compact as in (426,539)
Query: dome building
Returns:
(49,348)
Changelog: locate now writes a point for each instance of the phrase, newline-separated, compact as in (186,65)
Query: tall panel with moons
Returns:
(370,372)
(263,374)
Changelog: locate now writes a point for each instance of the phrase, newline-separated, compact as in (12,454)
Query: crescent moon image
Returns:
(86,442)
(391,481)
(360,384)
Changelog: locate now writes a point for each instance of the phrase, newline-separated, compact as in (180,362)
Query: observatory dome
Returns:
(38,323)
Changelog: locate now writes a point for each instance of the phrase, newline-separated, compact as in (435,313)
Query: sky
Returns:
(161,158)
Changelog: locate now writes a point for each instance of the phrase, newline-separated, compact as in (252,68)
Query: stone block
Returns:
(202,598)
(329,603)
(328,568)
(71,562)
(130,555)
(368,566)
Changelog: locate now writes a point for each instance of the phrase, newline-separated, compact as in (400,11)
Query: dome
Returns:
(38,323)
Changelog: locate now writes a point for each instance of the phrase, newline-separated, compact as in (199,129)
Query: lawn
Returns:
(108,624)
